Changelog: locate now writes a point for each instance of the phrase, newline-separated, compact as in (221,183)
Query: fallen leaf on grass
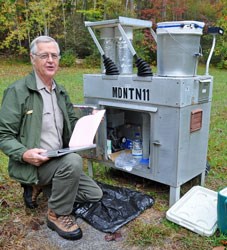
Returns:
(114,236)
(35,224)
(16,220)
(224,242)
(219,248)
(4,203)
(2,187)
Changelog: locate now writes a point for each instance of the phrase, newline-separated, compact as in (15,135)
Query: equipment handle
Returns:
(214,31)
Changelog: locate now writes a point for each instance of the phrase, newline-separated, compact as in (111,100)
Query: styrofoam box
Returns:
(196,211)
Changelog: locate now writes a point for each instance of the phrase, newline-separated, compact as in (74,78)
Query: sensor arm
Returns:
(96,41)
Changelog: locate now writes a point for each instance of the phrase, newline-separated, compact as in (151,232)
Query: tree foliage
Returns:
(23,20)
(212,13)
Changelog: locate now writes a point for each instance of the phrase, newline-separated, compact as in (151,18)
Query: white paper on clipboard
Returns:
(83,135)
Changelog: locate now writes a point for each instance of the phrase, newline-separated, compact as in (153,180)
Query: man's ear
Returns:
(32,59)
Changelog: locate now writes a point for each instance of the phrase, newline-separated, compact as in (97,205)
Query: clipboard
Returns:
(83,135)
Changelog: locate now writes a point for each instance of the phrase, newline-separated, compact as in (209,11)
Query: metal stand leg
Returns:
(90,168)
(174,195)
(202,181)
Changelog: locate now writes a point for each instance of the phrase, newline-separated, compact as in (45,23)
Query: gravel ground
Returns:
(92,239)
(46,239)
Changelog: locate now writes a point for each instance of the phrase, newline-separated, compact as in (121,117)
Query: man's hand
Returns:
(34,157)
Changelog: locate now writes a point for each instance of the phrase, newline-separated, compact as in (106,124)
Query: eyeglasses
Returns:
(45,56)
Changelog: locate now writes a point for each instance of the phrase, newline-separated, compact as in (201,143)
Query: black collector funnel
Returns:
(110,67)
(144,68)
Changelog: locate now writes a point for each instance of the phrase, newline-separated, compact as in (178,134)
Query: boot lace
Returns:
(67,220)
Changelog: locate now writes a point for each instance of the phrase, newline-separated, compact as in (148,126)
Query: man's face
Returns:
(46,60)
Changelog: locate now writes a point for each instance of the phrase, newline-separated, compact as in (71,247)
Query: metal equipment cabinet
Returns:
(173,115)
(170,109)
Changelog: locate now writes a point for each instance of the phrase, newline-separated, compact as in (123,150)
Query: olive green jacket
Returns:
(21,121)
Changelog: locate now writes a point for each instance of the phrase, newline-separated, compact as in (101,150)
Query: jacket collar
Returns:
(31,83)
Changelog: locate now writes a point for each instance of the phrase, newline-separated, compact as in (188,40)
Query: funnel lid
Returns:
(124,21)
(179,27)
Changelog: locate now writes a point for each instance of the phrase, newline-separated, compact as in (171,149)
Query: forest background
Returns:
(22,20)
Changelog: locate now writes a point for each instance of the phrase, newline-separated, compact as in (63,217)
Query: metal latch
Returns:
(157,143)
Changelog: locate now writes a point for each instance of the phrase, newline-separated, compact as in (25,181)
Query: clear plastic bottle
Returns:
(137,147)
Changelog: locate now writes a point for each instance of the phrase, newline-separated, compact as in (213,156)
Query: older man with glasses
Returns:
(36,115)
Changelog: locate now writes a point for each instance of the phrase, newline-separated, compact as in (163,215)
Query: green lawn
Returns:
(141,232)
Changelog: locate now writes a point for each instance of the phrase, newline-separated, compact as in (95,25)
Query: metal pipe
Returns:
(126,39)
(143,67)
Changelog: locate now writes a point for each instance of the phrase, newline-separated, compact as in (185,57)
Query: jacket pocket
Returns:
(24,173)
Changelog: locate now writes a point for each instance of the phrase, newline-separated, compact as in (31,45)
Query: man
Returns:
(36,115)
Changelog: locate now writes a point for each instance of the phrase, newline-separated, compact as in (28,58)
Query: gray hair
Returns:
(42,39)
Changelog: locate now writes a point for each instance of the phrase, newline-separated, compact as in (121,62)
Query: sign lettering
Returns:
(131,93)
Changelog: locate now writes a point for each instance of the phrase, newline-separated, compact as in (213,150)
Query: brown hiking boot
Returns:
(64,225)
(30,195)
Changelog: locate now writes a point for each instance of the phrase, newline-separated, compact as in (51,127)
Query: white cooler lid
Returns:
(196,211)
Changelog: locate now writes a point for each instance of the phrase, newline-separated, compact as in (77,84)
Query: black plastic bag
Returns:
(117,207)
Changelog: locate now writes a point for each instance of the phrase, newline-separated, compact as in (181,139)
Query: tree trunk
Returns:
(163,9)
(64,22)
(27,22)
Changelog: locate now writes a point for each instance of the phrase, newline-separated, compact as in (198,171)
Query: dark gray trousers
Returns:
(65,183)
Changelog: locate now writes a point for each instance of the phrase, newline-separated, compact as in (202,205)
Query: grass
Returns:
(146,231)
